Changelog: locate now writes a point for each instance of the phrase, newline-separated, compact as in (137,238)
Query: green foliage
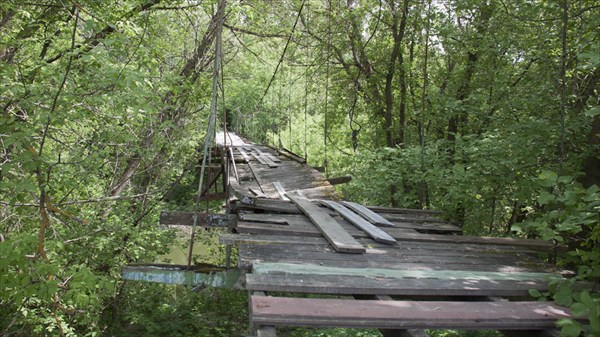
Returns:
(570,214)
(164,310)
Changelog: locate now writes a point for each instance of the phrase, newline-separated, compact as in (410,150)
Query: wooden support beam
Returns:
(203,219)
(373,232)
(340,180)
(329,227)
(261,330)
(368,214)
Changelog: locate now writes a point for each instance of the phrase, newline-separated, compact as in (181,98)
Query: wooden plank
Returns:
(202,219)
(327,257)
(407,248)
(244,154)
(368,285)
(266,218)
(387,258)
(280,190)
(273,158)
(329,227)
(281,206)
(257,192)
(339,180)
(398,332)
(269,161)
(404,235)
(267,155)
(368,214)
(312,269)
(373,232)
(289,154)
(380,209)
(311,312)
(259,158)
(181,275)
(233,239)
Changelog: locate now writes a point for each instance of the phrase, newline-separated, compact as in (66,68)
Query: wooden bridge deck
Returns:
(438,277)
(407,269)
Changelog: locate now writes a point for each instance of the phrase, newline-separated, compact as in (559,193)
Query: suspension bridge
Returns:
(393,269)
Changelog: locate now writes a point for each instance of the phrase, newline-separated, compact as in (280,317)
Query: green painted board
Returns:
(310,269)
(215,279)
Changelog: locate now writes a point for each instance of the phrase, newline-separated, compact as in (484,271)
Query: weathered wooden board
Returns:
(430,228)
(244,154)
(175,275)
(328,257)
(395,210)
(373,232)
(368,285)
(401,273)
(368,214)
(339,180)
(259,158)
(406,248)
(329,227)
(283,311)
(315,252)
(280,190)
(399,234)
(202,219)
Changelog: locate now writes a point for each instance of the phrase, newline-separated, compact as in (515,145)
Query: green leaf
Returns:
(535,293)
(546,198)
(579,309)
(593,112)
(569,327)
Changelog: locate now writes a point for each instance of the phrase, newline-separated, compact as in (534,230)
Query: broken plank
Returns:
(368,214)
(202,219)
(280,190)
(311,312)
(373,232)
(329,227)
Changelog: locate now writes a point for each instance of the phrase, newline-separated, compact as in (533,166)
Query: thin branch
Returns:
(79,202)
(249,32)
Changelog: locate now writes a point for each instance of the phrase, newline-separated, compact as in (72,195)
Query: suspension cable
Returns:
(282,54)
(210,133)
(326,122)
(423,100)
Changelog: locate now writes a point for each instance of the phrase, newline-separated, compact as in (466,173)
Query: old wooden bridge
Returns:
(397,270)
